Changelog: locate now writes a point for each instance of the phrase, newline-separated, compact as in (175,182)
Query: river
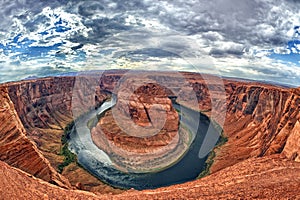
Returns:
(99,164)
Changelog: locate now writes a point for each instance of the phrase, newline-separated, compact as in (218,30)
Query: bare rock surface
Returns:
(269,177)
(17,150)
(141,133)
(260,120)
(16,184)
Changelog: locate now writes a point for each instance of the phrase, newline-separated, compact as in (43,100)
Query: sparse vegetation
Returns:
(67,132)
(222,140)
(210,159)
(69,156)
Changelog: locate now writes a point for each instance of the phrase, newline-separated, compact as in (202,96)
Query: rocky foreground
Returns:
(260,159)
(268,177)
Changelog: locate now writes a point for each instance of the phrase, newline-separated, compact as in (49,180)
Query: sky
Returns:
(253,39)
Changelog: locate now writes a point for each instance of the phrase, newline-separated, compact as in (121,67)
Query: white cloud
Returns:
(236,36)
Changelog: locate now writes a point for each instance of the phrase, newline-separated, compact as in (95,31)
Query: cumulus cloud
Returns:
(237,36)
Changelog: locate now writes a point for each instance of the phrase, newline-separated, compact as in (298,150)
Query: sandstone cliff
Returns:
(143,126)
(50,102)
(17,150)
(260,120)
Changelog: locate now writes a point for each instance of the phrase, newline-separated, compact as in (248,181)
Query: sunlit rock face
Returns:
(142,131)
(51,102)
(264,178)
(150,113)
(261,120)
(18,150)
(292,147)
(148,106)
(43,103)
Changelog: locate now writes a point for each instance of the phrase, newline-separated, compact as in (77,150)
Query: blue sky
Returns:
(246,39)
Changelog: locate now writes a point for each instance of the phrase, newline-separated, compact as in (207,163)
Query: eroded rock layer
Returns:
(51,102)
(261,120)
(131,143)
(141,133)
(150,111)
(17,150)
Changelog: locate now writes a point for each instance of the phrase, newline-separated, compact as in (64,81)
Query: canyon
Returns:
(260,121)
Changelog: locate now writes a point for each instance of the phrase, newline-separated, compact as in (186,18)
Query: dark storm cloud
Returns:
(101,28)
(234,50)
(89,8)
(293,1)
